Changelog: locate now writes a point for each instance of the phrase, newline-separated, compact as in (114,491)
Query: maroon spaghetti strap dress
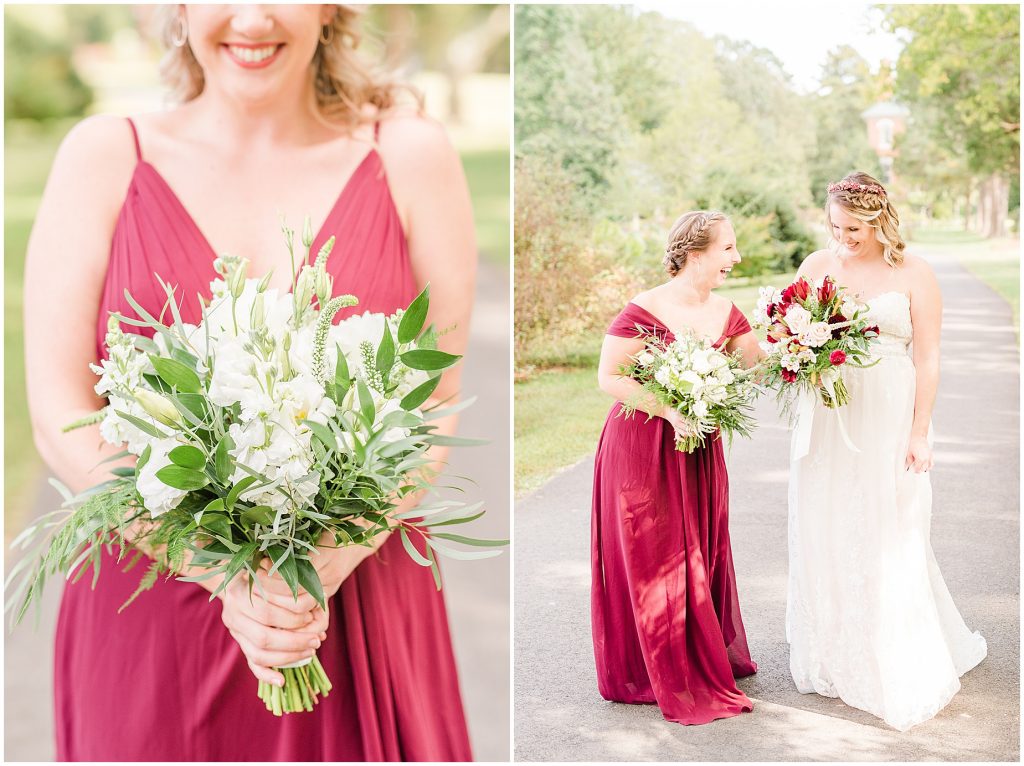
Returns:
(664,609)
(163,680)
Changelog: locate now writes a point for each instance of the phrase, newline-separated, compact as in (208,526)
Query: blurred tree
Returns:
(564,113)
(963,61)
(455,40)
(848,87)
(40,80)
(97,23)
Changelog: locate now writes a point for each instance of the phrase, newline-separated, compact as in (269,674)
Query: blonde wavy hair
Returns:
(865,199)
(692,232)
(343,84)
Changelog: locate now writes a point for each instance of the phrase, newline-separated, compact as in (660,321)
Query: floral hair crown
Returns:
(853,186)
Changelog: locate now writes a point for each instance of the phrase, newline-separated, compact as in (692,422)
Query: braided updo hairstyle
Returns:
(865,199)
(692,232)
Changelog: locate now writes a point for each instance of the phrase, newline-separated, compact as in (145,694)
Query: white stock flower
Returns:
(157,496)
(791,362)
(700,409)
(644,358)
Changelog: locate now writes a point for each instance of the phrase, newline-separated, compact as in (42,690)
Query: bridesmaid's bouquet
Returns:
(261,433)
(706,386)
(812,331)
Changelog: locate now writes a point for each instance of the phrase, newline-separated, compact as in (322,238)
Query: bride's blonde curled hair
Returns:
(865,199)
(692,232)
(343,84)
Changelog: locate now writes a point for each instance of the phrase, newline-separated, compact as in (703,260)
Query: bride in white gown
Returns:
(869,618)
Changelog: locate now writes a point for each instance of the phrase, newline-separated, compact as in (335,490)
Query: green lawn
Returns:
(488,175)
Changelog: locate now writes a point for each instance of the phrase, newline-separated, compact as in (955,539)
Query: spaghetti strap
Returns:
(376,132)
(135,138)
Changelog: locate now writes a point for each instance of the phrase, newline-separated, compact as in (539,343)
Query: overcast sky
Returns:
(800,34)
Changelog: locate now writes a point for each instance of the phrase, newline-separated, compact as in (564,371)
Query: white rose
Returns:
(157,496)
(816,334)
(797,318)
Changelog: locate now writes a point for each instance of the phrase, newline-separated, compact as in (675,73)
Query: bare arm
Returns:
(747,345)
(926,316)
(65,266)
(615,353)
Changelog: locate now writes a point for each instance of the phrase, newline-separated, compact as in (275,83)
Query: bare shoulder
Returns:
(917,267)
(410,141)
(919,279)
(98,156)
(817,264)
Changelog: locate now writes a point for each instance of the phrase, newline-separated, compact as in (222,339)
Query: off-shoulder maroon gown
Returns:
(163,680)
(664,609)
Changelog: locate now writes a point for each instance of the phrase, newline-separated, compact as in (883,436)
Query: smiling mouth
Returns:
(253,56)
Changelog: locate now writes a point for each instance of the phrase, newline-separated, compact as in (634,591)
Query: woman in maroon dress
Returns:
(277,119)
(665,613)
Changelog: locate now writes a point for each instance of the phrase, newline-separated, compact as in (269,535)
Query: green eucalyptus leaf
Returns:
(428,359)
(182,478)
(222,458)
(238,489)
(142,425)
(414,554)
(385,354)
(455,553)
(366,406)
(309,579)
(176,374)
(471,540)
(259,514)
(414,317)
(188,456)
(323,433)
(420,394)
(217,523)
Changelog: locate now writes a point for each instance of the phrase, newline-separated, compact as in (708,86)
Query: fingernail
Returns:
(314,643)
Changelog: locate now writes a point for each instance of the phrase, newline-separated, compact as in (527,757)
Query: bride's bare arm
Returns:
(926,316)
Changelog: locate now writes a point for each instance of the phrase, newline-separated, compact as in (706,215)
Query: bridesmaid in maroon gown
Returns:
(665,612)
(165,680)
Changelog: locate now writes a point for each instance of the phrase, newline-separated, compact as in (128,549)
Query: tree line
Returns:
(624,119)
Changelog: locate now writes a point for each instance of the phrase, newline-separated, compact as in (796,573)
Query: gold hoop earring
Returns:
(179,35)
(326,34)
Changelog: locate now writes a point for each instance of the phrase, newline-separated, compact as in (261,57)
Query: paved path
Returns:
(559,714)
(477,591)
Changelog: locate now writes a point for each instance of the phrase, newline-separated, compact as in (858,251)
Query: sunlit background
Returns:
(63,62)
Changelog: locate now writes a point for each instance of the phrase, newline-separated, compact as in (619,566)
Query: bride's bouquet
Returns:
(706,386)
(263,432)
(812,331)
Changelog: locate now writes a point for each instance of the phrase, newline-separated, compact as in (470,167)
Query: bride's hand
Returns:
(919,455)
(680,425)
(271,628)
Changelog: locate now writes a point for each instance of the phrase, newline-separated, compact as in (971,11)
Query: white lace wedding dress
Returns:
(869,618)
